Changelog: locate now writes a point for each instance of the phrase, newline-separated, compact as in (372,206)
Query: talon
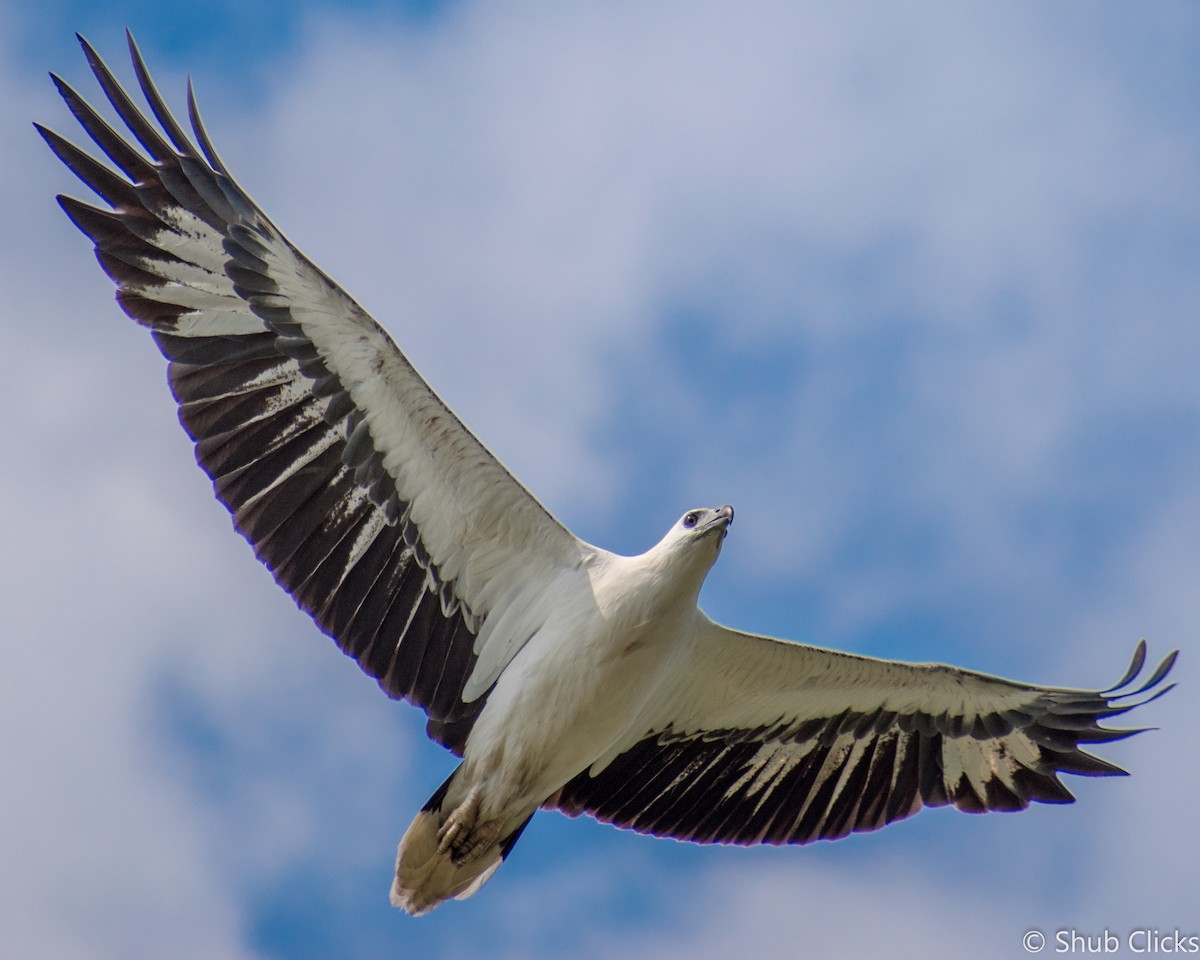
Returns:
(477,843)
(448,834)
(459,824)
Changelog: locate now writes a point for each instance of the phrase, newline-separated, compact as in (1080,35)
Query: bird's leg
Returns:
(463,835)
(477,842)
(460,823)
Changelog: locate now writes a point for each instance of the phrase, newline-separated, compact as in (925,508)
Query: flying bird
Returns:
(565,677)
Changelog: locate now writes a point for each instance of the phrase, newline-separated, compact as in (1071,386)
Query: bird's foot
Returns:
(459,824)
(463,836)
(478,842)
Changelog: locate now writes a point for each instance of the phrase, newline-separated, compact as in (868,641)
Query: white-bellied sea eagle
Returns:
(565,677)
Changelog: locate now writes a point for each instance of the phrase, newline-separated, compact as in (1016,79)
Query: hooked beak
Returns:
(721,521)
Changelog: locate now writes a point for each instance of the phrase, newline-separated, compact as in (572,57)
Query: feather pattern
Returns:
(564,675)
(374,507)
(763,741)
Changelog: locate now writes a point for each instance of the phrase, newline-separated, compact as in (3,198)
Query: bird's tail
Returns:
(427,876)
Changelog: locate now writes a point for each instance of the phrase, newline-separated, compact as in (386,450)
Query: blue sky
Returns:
(915,290)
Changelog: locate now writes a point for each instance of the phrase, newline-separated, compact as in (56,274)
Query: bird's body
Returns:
(565,676)
(573,692)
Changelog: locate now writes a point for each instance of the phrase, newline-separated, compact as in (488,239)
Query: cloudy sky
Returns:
(916,289)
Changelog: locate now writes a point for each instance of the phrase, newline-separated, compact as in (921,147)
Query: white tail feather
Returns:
(426,877)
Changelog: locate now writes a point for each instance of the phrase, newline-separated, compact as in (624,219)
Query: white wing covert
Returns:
(371,503)
(766,741)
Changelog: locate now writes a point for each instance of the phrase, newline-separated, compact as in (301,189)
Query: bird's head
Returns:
(691,547)
(685,555)
(705,522)
(702,528)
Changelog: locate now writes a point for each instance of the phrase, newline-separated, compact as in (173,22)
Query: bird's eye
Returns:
(691,519)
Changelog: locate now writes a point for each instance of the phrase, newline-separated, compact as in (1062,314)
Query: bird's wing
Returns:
(371,503)
(763,741)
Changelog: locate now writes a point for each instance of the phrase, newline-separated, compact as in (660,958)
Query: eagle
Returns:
(564,676)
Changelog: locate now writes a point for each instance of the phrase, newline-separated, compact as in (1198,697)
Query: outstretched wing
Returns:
(371,503)
(764,741)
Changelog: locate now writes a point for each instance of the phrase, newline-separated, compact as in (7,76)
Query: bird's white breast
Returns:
(579,684)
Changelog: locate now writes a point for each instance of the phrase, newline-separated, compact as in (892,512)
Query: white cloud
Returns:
(967,232)
(828,911)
